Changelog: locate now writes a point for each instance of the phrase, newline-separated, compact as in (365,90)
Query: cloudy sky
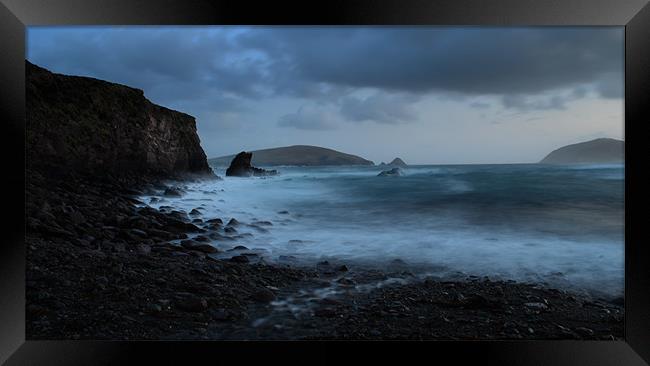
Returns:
(426,94)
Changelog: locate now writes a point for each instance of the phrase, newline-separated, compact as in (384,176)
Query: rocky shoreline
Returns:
(101,266)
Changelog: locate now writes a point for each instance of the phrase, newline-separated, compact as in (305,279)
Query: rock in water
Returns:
(397,162)
(241,167)
(395,172)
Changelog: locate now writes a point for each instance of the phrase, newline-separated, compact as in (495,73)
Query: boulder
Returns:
(195,245)
(173,192)
(263,295)
(240,259)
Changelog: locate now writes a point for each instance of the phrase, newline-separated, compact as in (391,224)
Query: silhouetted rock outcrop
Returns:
(397,162)
(92,126)
(241,167)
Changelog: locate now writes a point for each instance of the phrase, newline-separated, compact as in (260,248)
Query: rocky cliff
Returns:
(93,126)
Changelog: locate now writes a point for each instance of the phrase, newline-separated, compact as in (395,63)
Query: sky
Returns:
(430,95)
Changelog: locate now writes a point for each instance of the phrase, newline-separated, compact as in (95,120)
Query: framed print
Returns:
(221,178)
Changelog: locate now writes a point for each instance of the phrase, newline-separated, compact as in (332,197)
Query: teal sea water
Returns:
(560,225)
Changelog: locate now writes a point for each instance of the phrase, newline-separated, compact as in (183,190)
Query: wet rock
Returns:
(154,309)
(325,312)
(229,230)
(238,247)
(191,303)
(536,305)
(217,236)
(205,248)
(242,236)
(215,221)
(198,246)
(263,295)
(346,281)
(220,314)
(232,222)
(182,227)
(137,232)
(173,192)
(342,268)
(188,244)
(195,212)
(77,218)
(283,212)
(144,249)
(260,229)
(240,259)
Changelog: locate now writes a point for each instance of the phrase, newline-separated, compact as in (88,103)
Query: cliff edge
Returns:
(93,126)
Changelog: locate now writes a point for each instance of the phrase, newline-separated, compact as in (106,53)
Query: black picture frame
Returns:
(15,15)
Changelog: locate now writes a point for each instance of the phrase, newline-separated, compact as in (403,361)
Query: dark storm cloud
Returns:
(171,65)
(223,67)
(306,120)
(525,103)
(381,108)
(466,60)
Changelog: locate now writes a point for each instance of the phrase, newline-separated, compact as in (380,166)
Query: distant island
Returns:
(300,155)
(602,150)
(397,162)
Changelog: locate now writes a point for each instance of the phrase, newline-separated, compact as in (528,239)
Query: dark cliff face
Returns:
(97,127)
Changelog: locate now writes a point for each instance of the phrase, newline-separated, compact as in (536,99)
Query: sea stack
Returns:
(397,162)
(241,167)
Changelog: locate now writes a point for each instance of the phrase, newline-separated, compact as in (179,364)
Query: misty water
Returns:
(558,225)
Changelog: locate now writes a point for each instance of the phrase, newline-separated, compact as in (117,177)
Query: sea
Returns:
(556,225)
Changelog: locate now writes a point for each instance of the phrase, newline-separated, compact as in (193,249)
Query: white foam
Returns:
(447,244)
